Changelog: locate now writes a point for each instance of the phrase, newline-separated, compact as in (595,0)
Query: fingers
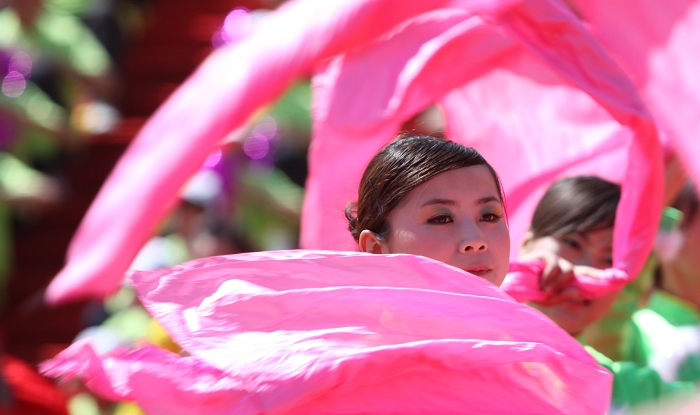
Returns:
(561,288)
(586,270)
(558,274)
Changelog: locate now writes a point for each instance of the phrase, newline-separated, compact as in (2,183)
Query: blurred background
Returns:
(79,79)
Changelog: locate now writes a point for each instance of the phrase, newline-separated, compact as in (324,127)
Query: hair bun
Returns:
(351,216)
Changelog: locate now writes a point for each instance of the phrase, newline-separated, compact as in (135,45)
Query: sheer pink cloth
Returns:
(222,96)
(420,68)
(657,44)
(311,332)
(553,104)
(534,128)
(523,282)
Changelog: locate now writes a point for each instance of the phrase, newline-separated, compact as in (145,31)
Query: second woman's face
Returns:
(592,249)
(457,218)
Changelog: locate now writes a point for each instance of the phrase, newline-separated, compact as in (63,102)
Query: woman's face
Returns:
(457,218)
(592,249)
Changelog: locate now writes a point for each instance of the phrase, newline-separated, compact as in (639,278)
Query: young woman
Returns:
(573,226)
(435,198)
(308,332)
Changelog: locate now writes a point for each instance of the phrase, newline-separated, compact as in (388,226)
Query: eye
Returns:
(441,219)
(571,242)
(491,217)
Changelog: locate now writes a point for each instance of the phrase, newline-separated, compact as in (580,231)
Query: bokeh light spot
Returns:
(21,62)
(14,84)
(267,127)
(256,146)
(238,23)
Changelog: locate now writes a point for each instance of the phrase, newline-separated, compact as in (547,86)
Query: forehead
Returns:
(462,184)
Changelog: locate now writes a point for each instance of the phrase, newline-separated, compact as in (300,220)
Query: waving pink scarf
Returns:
(657,44)
(236,81)
(311,332)
(534,128)
(220,97)
(564,109)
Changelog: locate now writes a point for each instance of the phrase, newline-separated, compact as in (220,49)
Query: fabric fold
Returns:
(318,332)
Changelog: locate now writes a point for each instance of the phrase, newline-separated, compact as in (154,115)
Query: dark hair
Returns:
(687,202)
(575,205)
(399,167)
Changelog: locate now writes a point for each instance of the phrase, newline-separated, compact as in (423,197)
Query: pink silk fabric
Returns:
(657,44)
(222,96)
(553,104)
(534,128)
(320,332)
(238,80)
(523,282)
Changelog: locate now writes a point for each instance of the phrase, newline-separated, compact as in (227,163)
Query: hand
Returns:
(558,277)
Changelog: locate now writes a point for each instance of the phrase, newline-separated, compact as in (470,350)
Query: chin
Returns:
(496,280)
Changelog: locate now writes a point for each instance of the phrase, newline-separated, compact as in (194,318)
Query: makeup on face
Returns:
(457,218)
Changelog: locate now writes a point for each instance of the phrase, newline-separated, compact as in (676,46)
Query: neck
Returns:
(681,282)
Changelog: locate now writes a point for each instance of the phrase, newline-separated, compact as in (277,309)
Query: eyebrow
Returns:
(450,202)
(487,199)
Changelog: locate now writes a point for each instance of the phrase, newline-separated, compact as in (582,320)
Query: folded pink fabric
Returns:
(534,128)
(546,101)
(657,44)
(314,332)
(523,282)
(222,96)
(238,80)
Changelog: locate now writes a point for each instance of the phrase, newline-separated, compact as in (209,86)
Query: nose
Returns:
(472,241)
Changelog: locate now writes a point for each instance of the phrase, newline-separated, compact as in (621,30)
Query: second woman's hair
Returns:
(397,169)
(576,205)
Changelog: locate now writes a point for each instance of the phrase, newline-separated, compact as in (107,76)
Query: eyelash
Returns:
(488,217)
(435,220)
(572,243)
(492,217)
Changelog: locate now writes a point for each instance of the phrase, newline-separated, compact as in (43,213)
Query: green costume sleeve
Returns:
(660,333)
(633,385)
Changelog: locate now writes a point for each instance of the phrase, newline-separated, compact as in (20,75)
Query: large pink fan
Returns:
(314,332)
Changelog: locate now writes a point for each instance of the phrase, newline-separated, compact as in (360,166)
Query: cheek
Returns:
(501,243)
(572,255)
(415,242)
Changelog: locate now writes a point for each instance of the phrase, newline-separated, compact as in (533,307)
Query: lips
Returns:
(479,271)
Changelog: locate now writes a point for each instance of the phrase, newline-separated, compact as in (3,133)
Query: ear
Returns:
(369,243)
(526,242)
